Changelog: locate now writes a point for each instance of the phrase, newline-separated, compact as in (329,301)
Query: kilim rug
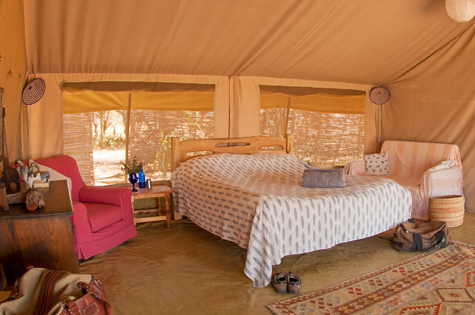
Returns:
(439,282)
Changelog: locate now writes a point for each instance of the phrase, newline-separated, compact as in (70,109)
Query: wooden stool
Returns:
(160,191)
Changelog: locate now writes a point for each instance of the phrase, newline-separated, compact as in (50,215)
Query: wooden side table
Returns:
(160,191)
(41,238)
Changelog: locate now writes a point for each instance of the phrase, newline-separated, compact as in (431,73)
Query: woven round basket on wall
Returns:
(449,209)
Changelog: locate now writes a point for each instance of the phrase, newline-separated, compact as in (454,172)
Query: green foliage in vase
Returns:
(130,167)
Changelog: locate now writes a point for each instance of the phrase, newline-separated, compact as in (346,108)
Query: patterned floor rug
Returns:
(439,282)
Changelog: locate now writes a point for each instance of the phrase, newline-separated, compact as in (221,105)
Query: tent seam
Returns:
(454,39)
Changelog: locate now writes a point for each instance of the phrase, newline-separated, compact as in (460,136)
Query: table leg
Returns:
(167,209)
(133,210)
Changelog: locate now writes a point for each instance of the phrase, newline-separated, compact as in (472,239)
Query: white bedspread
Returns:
(258,202)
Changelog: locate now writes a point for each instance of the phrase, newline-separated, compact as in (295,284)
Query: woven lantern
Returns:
(460,10)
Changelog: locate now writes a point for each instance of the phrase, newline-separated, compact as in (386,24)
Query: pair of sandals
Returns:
(286,282)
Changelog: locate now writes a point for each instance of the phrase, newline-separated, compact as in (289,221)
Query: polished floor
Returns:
(187,270)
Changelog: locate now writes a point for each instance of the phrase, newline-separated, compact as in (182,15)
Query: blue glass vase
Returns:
(133,179)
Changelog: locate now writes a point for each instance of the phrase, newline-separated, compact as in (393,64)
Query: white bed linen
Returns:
(258,202)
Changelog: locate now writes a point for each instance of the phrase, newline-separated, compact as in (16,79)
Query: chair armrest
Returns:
(355,167)
(107,195)
(82,228)
(447,181)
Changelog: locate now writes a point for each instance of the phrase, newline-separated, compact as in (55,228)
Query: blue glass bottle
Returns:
(142,183)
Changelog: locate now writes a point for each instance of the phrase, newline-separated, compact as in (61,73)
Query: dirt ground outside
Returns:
(106,166)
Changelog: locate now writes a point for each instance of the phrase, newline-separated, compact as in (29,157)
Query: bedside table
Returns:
(159,191)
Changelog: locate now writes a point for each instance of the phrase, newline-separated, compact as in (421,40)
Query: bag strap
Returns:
(46,294)
(70,308)
(94,290)
(440,237)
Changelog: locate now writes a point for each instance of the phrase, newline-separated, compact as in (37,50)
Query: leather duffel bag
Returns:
(424,237)
(41,291)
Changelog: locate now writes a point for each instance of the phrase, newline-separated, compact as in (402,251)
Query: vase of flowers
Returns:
(131,168)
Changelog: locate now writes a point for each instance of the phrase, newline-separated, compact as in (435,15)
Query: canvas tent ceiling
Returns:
(412,47)
(366,41)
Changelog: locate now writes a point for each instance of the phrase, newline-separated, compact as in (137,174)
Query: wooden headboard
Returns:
(248,145)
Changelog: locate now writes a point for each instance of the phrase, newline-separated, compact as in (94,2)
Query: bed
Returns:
(251,193)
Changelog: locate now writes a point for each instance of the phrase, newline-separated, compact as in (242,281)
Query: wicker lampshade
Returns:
(460,10)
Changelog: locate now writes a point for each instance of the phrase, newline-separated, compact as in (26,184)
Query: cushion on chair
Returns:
(102,215)
(377,164)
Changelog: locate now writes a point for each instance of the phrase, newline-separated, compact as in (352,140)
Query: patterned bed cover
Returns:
(258,202)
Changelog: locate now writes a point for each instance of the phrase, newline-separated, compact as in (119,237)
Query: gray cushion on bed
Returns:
(323,178)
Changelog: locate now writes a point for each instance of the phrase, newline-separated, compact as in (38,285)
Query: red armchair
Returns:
(103,216)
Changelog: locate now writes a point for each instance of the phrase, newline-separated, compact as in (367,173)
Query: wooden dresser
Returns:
(41,238)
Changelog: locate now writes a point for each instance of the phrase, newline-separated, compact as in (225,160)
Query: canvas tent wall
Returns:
(236,104)
(412,47)
(13,73)
(435,102)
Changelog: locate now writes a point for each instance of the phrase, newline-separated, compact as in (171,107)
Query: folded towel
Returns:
(442,165)
(323,178)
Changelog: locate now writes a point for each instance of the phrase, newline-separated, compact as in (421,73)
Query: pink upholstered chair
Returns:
(102,217)
(413,166)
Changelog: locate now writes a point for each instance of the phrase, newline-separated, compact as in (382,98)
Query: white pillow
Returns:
(54,175)
(377,164)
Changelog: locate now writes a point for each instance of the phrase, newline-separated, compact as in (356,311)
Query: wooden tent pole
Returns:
(127,129)
(379,126)
(287,118)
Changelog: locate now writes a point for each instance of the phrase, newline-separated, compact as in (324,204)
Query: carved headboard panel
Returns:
(182,150)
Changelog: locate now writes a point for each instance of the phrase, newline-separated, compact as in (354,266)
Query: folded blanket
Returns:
(323,178)
(442,165)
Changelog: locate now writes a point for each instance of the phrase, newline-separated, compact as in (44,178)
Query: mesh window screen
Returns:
(327,124)
(105,121)
(99,155)
(151,131)
(325,140)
